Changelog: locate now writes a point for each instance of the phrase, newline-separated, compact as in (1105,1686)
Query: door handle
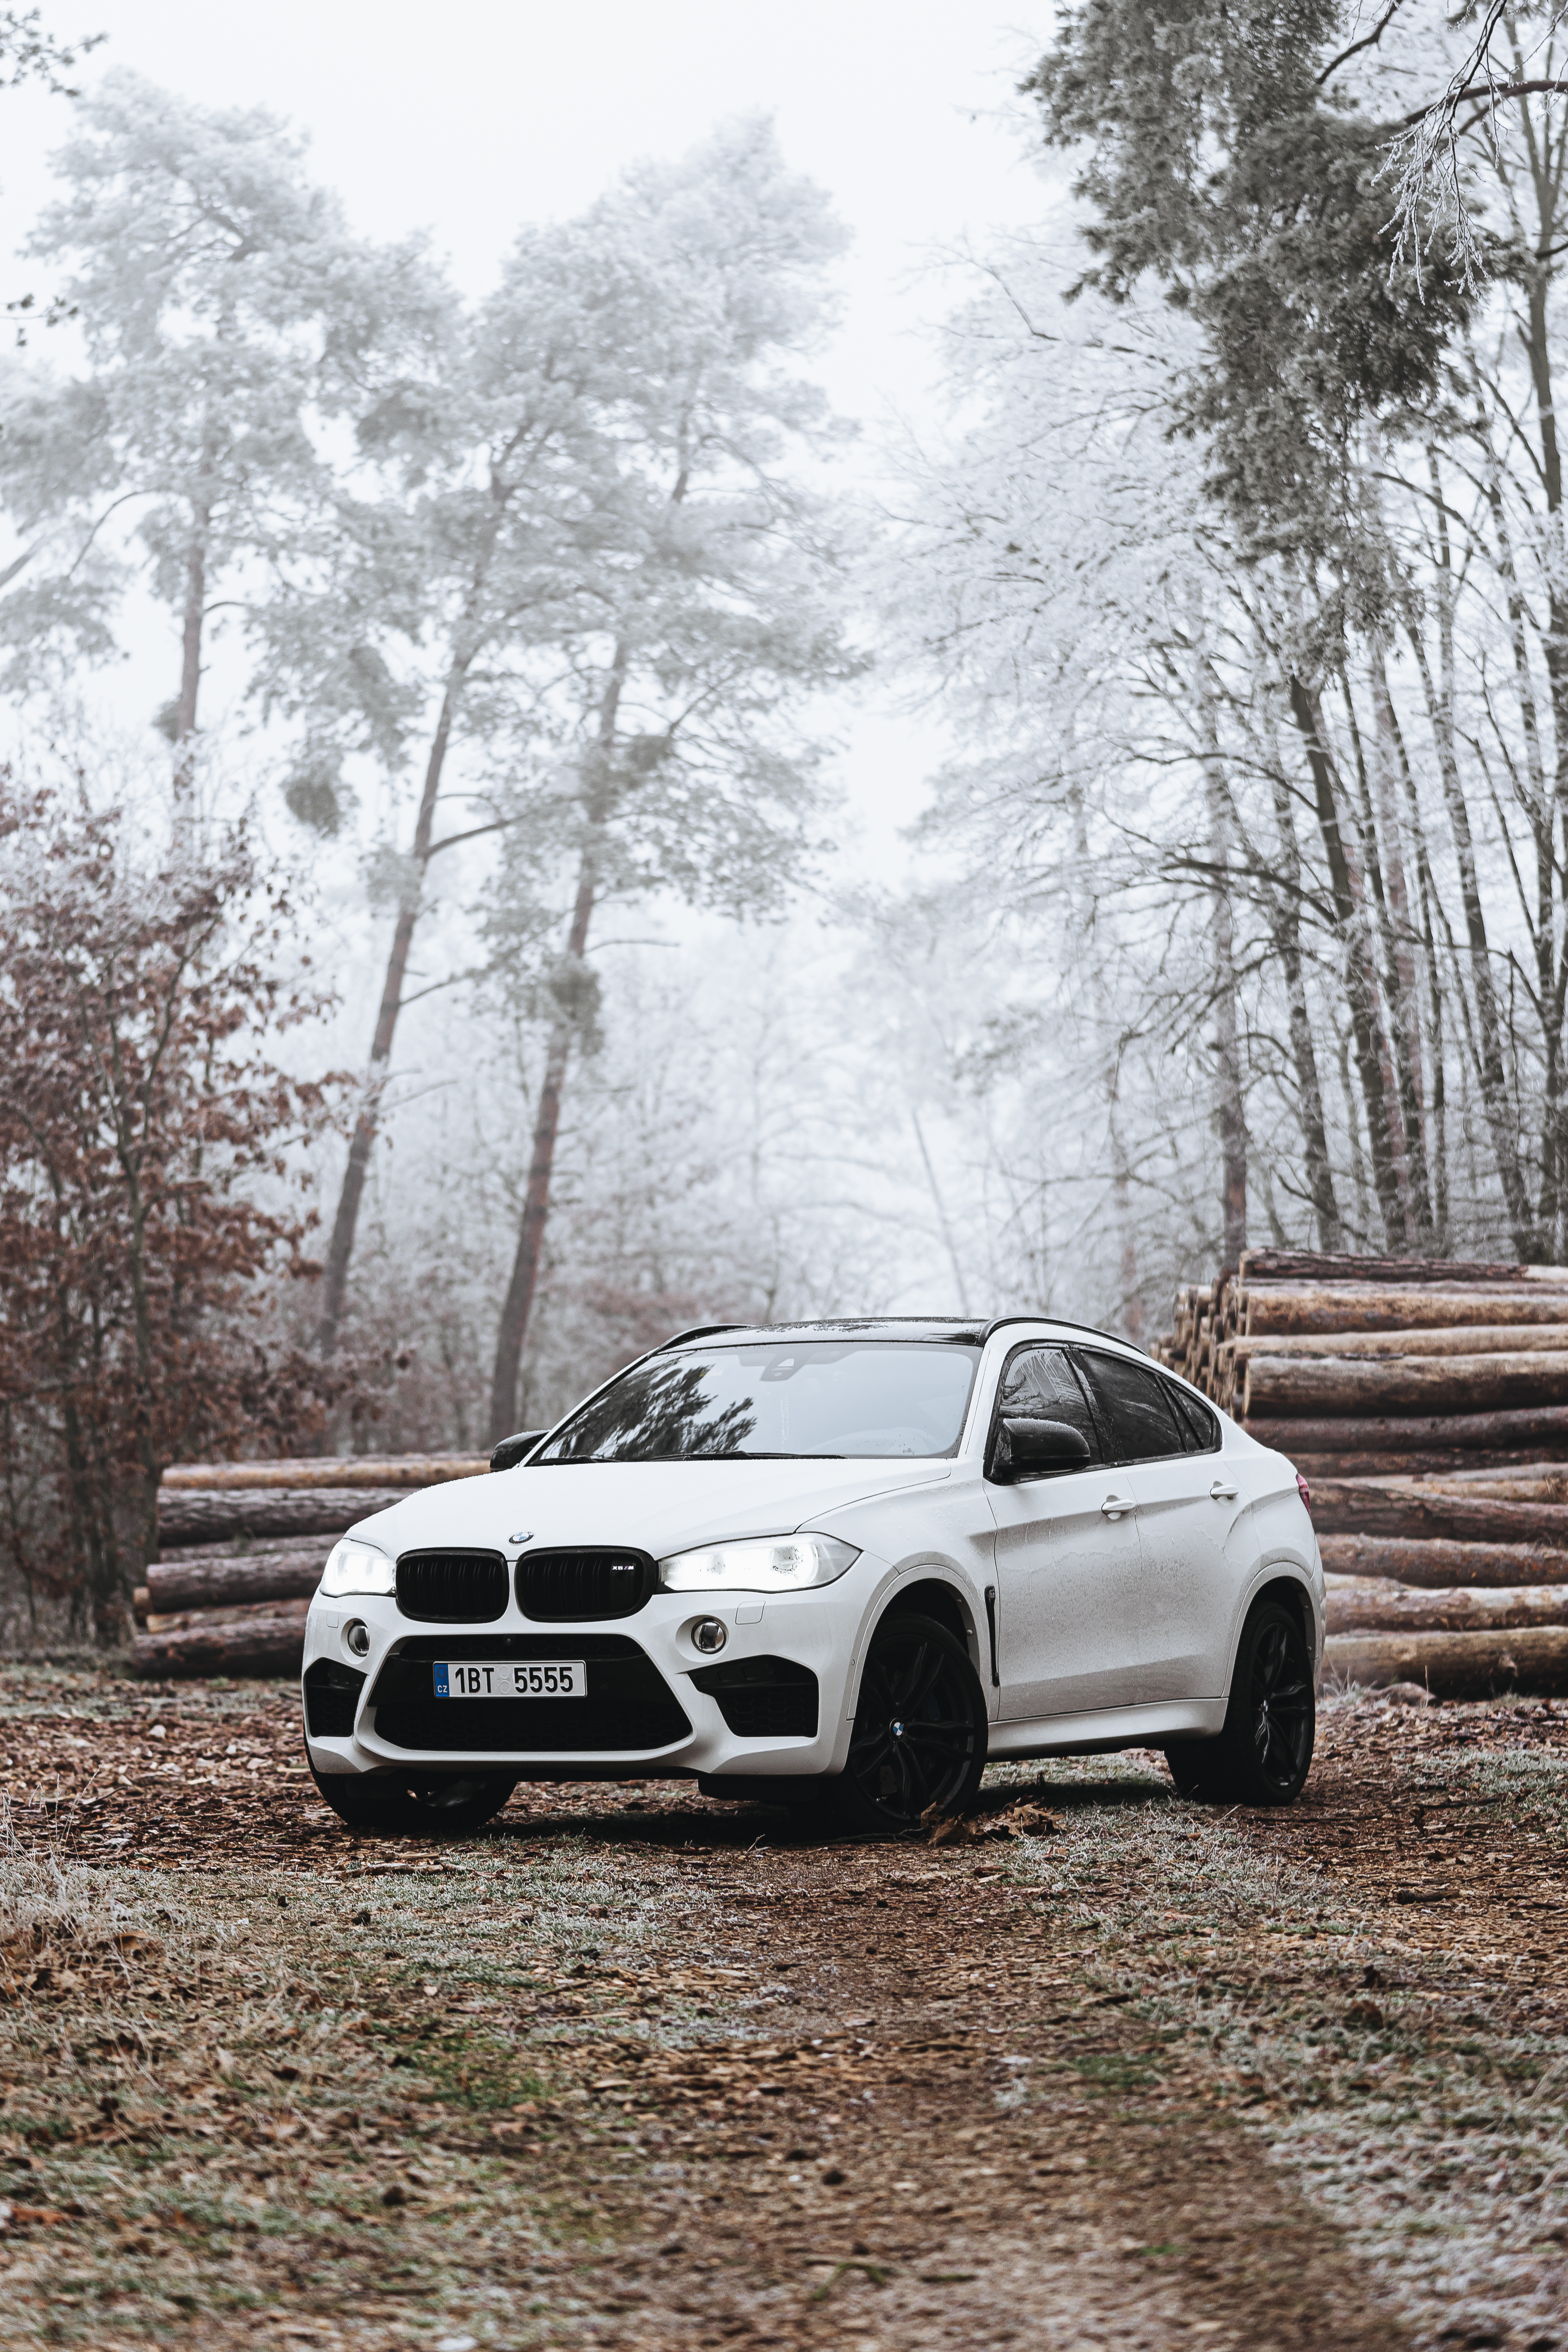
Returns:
(1222,1491)
(1114,1505)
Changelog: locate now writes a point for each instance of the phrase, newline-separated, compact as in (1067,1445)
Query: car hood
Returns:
(659,1506)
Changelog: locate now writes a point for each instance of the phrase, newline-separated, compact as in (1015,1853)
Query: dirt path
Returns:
(632,2069)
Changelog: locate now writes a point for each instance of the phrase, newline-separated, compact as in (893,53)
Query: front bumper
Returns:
(645,1712)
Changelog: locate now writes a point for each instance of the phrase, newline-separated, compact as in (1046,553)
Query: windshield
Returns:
(826,1398)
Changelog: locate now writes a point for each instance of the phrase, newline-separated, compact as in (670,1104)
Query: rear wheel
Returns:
(444,1804)
(1265,1752)
(920,1738)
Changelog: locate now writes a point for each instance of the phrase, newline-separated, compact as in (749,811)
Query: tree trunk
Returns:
(272,1642)
(1438,1563)
(191,1515)
(1491,1070)
(1446,1384)
(1430,1463)
(517,1309)
(1453,1666)
(244,1576)
(1376,1346)
(1390,911)
(1350,1266)
(191,660)
(1286,926)
(1545,1424)
(1232,1099)
(1360,983)
(414,1471)
(345,1224)
(1450,1611)
(1381,1507)
(1265,1313)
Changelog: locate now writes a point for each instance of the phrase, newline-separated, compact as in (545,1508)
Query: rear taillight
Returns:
(1303,1490)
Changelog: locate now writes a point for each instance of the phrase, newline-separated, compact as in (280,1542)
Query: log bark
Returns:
(1429,1462)
(205,1515)
(243,1579)
(1344,1266)
(1470,1385)
(378,1470)
(1453,1666)
(1391,1434)
(245,1613)
(1392,1309)
(1545,1481)
(269,1642)
(1464,1339)
(1449,1610)
(1435,1563)
(1366,1508)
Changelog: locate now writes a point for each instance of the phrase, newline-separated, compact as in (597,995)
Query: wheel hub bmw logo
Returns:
(896,1729)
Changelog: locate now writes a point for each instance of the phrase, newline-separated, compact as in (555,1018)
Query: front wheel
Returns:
(1265,1752)
(919,1745)
(445,1805)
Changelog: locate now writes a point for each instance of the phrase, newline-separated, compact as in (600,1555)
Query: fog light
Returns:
(356,1638)
(709,1636)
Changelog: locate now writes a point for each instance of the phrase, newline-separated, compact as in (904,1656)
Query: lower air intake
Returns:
(630,1706)
(332,1694)
(572,1587)
(762,1699)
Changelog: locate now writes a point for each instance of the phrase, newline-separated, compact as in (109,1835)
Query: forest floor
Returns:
(630,2069)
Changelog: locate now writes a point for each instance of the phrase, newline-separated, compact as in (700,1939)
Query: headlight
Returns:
(355,1567)
(767,1564)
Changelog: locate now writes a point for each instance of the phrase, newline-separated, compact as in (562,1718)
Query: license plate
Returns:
(508,1678)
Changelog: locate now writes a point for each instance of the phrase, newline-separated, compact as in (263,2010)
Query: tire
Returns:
(1265,1752)
(446,1804)
(919,1744)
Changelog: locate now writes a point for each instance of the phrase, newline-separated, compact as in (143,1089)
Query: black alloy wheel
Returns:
(1265,1752)
(919,1744)
(438,1804)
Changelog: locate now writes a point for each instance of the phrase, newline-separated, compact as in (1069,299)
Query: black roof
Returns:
(956,1330)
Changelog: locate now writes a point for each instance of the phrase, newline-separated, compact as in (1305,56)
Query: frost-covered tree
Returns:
(225,312)
(713,601)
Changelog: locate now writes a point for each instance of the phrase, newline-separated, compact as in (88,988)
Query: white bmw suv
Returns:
(850,1561)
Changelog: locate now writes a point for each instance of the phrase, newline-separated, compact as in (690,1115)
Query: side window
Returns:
(1043,1384)
(1198,1424)
(1133,1402)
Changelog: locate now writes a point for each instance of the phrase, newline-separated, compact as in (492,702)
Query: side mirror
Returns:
(1027,1448)
(513,1450)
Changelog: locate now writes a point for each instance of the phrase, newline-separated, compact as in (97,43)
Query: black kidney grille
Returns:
(762,1699)
(630,1706)
(560,1588)
(452,1587)
(332,1694)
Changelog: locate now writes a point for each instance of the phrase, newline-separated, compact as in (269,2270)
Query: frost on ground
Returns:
(1415,2083)
(635,2070)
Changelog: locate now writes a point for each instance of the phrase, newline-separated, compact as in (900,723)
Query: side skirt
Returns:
(1108,1728)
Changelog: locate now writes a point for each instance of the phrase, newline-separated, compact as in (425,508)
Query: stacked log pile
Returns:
(241,1546)
(1427,1405)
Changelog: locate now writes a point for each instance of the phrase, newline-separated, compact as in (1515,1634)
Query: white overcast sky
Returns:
(473,117)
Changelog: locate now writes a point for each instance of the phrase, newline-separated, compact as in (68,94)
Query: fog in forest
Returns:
(640,694)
